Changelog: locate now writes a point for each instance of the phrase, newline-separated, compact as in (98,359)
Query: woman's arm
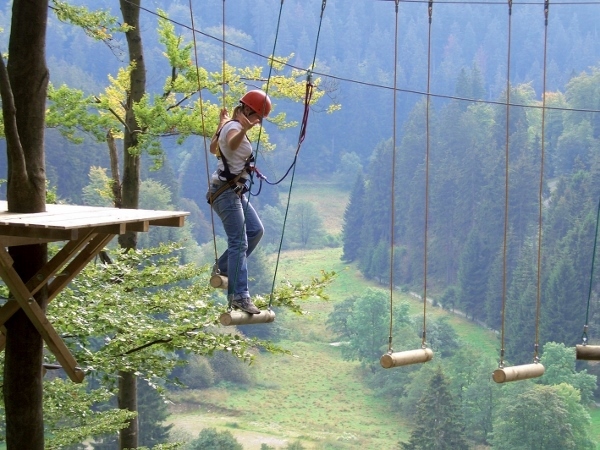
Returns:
(235,137)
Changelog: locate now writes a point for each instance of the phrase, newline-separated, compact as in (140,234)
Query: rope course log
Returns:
(584,351)
(535,369)
(424,354)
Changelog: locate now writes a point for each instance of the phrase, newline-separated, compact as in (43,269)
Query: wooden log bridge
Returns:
(85,231)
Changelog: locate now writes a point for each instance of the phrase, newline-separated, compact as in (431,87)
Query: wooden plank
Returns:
(14,241)
(7,310)
(93,244)
(141,227)
(39,233)
(117,228)
(38,318)
(169,222)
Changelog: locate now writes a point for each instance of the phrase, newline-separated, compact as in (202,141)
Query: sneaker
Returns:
(245,304)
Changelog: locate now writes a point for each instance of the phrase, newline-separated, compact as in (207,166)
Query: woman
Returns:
(227,195)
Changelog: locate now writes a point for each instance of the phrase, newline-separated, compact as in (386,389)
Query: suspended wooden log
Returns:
(406,358)
(588,352)
(218,281)
(244,318)
(516,373)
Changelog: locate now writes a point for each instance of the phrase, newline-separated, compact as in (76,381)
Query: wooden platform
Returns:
(67,222)
(85,231)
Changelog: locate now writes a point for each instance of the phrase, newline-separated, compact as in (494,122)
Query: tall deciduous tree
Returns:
(23,86)
(559,362)
(542,417)
(130,185)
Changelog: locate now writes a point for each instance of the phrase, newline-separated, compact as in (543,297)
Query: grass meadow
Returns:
(312,395)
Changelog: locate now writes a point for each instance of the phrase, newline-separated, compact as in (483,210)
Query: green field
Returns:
(311,395)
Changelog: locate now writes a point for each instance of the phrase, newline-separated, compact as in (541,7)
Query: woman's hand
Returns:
(223,117)
(247,122)
(235,138)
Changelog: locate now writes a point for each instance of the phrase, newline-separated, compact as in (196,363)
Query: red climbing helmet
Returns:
(258,101)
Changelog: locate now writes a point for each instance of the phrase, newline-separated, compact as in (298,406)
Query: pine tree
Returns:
(561,319)
(439,422)
(520,309)
(153,413)
(353,221)
(473,272)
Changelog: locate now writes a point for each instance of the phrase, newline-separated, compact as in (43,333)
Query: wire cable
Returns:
(301,136)
(381,86)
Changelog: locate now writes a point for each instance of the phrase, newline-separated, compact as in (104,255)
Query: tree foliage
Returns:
(438,419)
(548,417)
(211,439)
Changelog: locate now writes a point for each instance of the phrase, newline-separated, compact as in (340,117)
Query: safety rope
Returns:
(427,139)
(223,59)
(584,336)
(301,136)
(206,152)
(541,190)
(256,151)
(393,196)
(506,185)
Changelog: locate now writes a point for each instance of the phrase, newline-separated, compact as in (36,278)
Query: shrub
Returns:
(198,374)
(211,439)
(228,368)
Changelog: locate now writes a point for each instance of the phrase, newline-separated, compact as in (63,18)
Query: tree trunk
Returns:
(128,437)
(130,193)
(23,390)
(24,85)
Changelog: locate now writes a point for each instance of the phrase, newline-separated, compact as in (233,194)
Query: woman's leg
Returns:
(228,207)
(254,227)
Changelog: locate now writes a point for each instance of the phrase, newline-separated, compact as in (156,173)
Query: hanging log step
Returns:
(588,352)
(406,358)
(218,281)
(244,318)
(516,373)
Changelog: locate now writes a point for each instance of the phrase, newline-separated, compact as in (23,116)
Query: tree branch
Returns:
(13,142)
(149,344)
(114,169)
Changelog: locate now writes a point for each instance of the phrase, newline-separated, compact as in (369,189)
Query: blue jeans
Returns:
(244,231)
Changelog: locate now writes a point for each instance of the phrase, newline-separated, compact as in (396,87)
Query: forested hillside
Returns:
(467,206)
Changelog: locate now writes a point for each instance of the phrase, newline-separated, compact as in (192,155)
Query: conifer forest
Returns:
(454,145)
